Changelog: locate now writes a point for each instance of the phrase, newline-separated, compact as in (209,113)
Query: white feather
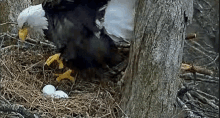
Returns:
(119,19)
(35,18)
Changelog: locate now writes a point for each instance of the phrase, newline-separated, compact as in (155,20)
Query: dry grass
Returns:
(24,75)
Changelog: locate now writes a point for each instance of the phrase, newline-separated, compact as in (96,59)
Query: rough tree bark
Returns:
(151,78)
(12,8)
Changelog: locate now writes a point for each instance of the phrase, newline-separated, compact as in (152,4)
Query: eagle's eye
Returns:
(25,25)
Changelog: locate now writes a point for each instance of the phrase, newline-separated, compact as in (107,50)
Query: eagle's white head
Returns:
(32,20)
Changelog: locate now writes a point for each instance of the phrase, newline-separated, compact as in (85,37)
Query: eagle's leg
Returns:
(67,75)
(53,58)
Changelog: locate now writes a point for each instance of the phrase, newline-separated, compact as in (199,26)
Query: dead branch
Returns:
(6,106)
(191,36)
(14,23)
(39,42)
(195,99)
(190,76)
(214,61)
(13,36)
(192,102)
(202,70)
(208,95)
(198,69)
(204,100)
(17,109)
(199,50)
(10,47)
(8,69)
(28,40)
(201,47)
(40,62)
(184,107)
(206,76)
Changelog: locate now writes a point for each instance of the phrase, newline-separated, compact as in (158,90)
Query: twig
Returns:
(121,110)
(198,69)
(188,111)
(196,107)
(208,95)
(204,76)
(199,50)
(32,66)
(9,47)
(28,40)
(39,42)
(7,69)
(2,42)
(5,100)
(8,23)
(203,80)
(189,76)
(44,73)
(104,116)
(212,61)
(208,45)
(204,100)
(17,109)
(201,47)
(202,70)
(191,36)
(9,35)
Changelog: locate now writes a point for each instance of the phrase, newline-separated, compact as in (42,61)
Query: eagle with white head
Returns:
(32,19)
(72,26)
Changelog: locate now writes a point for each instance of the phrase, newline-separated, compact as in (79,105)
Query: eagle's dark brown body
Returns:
(72,28)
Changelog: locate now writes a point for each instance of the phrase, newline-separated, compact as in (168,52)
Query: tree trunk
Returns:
(151,78)
(9,11)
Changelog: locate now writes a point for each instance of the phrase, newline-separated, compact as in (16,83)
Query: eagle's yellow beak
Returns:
(23,33)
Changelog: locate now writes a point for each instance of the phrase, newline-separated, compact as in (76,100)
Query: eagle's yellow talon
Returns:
(67,75)
(53,58)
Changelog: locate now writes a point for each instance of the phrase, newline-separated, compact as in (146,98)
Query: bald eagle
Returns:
(86,33)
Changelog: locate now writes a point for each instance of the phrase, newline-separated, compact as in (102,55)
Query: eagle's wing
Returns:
(73,32)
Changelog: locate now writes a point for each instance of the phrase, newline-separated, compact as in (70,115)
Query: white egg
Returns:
(60,94)
(49,90)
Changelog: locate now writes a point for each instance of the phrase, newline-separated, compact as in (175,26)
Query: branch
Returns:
(10,46)
(192,102)
(204,100)
(6,106)
(191,36)
(199,50)
(202,47)
(17,109)
(213,61)
(184,107)
(39,42)
(189,76)
(198,69)
(8,69)
(208,95)
(28,40)
(14,23)
(13,36)
(206,76)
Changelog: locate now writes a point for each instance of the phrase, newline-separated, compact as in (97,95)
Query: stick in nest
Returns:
(198,69)
(17,109)
(14,23)
(29,40)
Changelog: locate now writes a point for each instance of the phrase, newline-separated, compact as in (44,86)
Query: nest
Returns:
(24,76)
